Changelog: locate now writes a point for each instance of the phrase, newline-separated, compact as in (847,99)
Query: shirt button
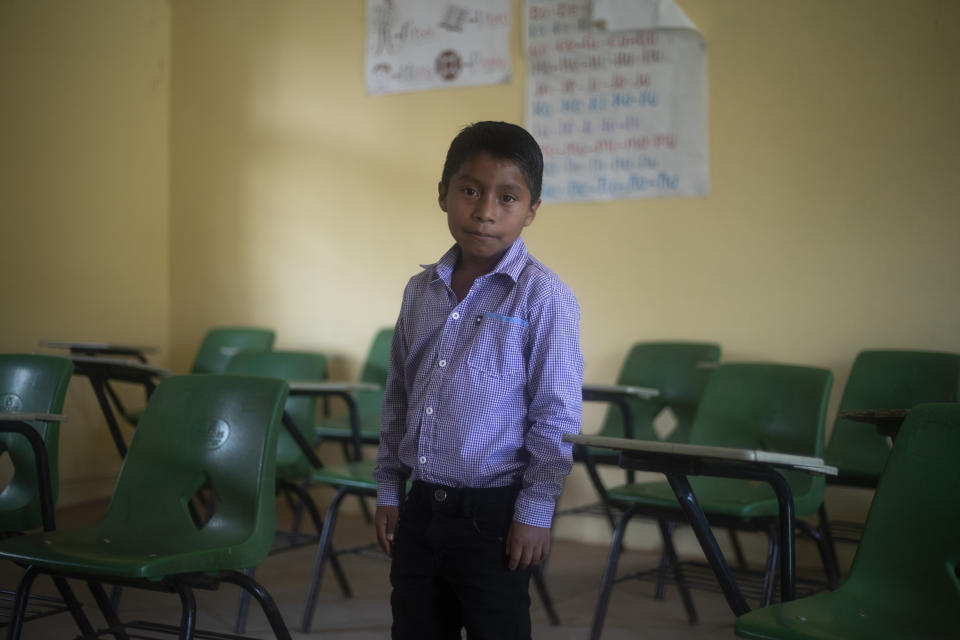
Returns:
(455,315)
(429,411)
(442,363)
(423,460)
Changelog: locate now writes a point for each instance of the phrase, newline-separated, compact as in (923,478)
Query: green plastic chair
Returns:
(293,467)
(368,402)
(679,371)
(219,345)
(880,379)
(905,578)
(772,407)
(211,431)
(885,379)
(30,384)
(222,343)
(34,384)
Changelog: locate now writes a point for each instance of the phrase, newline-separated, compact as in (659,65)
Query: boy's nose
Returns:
(486,209)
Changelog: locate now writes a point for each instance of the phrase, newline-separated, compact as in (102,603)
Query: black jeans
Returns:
(450,567)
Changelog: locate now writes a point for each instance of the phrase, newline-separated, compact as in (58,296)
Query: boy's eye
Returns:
(509,198)
(470,191)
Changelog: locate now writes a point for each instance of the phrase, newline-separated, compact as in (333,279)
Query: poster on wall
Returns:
(619,112)
(413,45)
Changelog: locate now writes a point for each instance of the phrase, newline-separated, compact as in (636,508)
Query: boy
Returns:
(485,376)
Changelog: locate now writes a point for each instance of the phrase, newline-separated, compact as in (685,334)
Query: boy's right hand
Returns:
(385,522)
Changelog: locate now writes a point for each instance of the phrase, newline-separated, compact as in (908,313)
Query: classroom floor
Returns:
(573,578)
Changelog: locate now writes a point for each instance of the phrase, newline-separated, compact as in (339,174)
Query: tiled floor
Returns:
(573,578)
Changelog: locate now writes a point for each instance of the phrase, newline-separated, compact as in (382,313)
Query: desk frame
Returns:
(100,371)
(677,462)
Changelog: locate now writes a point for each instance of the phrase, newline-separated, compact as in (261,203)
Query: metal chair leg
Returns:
(823,547)
(540,583)
(609,573)
(20,603)
(737,549)
(107,609)
(188,612)
(661,590)
(243,609)
(666,536)
(311,507)
(323,551)
(827,533)
(73,605)
(770,570)
(267,603)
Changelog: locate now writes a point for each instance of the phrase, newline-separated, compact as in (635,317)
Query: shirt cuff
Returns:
(537,513)
(390,493)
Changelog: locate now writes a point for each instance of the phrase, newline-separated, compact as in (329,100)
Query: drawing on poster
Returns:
(414,45)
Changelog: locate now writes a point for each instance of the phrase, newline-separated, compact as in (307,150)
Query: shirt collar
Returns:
(511,264)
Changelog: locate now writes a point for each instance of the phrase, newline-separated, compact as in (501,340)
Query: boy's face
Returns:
(488,205)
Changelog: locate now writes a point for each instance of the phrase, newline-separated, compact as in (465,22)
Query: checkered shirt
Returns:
(480,391)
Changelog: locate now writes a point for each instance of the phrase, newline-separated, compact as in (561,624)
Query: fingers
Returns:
(385,522)
(526,545)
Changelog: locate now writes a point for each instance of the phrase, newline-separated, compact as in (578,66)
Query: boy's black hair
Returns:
(501,140)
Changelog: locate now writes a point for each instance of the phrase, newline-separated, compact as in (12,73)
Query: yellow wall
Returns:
(84,194)
(302,203)
(299,202)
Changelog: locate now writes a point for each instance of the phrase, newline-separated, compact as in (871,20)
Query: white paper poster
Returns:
(618,113)
(414,45)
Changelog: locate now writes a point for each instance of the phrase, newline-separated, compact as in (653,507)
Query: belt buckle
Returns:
(439,495)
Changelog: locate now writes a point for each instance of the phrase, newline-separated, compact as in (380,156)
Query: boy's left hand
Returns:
(527,544)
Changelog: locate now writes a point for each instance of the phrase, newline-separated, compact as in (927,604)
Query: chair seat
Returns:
(338,428)
(356,475)
(130,555)
(746,500)
(840,615)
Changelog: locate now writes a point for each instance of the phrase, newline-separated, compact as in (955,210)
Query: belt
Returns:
(442,498)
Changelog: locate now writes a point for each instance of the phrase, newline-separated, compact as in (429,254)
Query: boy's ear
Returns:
(442,191)
(532,213)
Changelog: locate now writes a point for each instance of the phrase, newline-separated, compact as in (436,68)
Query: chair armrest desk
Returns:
(101,349)
(17,423)
(616,394)
(678,461)
(887,421)
(343,390)
(100,371)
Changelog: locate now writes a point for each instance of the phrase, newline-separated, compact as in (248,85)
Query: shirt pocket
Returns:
(498,346)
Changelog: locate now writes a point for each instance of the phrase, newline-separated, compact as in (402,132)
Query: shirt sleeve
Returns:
(554,385)
(391,474)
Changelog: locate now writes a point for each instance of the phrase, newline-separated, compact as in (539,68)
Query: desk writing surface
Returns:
(97,346)
(120,364)
(627,445)
(25,417)
(620,389)
(308,387)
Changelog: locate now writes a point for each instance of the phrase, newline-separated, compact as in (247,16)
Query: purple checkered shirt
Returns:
(480,391)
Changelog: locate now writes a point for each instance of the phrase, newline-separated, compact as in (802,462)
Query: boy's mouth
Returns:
(479,234)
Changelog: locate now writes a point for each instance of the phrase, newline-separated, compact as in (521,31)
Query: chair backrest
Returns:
(222,343)
(30,384)
(773,407)
(287,365)
(375,371)
(886,379)
(214,431)
(672,367)
(908,560)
